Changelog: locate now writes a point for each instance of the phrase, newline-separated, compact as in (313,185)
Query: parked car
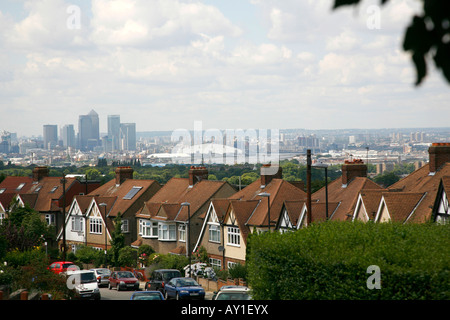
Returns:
(61,266)
(84,284)
(160,277)
(102,275)
(232,293)
(123,280)
(184,288)
(147,295)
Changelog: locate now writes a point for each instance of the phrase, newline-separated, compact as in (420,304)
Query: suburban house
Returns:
(398,206)
(426,181)
(346,189)
(319,213)
(50,195)
(228,222)
(289,215)
(5,205)
(89,214)
(172,219)
(367,205)
(441,214)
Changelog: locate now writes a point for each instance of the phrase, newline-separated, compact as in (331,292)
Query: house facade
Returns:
(172,220)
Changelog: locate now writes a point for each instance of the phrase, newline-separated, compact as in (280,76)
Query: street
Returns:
(113,294)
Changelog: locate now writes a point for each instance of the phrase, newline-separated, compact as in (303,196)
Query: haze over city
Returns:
(230,64)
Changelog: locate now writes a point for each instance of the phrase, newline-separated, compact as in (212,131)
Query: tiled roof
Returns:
(371,201)
(111,189)
(11,183)
(177,191)
(421,181)
(401,205)
(6,199)
(279,190)
(347,195)
(242,210)
(293,209)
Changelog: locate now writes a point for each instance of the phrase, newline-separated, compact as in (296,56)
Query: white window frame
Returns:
(167,232)
(148,229)
(215,263)
(214,232)
(125,226)
(182,232)
(77,224)
(96,225)
(50,219)
(234,236)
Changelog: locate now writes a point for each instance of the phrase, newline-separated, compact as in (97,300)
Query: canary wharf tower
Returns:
(88,131)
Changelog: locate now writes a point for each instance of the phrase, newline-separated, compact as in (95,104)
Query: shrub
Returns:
(238,271)
(330,261)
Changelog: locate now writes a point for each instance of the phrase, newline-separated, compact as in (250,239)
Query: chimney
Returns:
(197,174)
(39,173)
(267,174)
(439,154)
(353,169)
(123,173)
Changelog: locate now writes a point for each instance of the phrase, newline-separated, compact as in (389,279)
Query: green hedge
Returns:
(330,261)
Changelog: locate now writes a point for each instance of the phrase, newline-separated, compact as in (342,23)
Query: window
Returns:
(234,236)
(132,193)
(230,265)
(182,232)
(53,189)
(95,225)
(148,229)
(20,186)
(125,227)
(50,219)
(167,232)
(214,233)
(37,189)
(77,224)
(215,263)
(2,217)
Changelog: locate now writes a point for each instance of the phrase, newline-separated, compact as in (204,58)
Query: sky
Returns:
(260,64)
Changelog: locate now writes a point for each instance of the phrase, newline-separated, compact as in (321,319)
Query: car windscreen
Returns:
(147,296)
(187,283)
(233,296)
(103,271)
(125,274)
(87,277)
(169,275)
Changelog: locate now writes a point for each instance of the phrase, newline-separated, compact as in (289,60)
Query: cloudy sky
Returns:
(164,64)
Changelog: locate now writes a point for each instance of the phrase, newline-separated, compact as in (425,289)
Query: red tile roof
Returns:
(11,183)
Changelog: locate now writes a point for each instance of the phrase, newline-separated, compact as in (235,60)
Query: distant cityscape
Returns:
(66,147)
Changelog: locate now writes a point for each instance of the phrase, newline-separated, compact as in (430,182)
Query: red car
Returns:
(123,280)
(61,266)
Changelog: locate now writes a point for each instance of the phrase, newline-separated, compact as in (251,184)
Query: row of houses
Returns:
(189,213)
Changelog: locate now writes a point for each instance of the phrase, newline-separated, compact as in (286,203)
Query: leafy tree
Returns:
(117,239)
(427,35)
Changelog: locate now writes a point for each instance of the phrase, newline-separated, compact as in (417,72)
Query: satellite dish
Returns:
(221,249)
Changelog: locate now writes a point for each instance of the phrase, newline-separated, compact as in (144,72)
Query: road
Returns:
(113,294)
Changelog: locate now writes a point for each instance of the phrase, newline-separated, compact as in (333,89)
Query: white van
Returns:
(84,283)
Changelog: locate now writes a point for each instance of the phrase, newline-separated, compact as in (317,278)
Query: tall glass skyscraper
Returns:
(88,131)
(114,132)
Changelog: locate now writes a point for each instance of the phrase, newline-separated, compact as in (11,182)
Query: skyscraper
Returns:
(114,131)
(88,131)
(68,136)
(128,136)
(50,136)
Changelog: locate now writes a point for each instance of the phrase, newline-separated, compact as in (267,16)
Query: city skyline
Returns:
(230,64)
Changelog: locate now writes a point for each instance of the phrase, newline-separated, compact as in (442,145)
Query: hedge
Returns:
(330,261)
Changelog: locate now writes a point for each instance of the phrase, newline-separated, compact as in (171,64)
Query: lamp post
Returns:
(63,181)
(308,188)
(188,205)
(266,195)
(324,166)
(103,205)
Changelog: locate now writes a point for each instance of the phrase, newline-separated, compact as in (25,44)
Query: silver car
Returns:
(102,275)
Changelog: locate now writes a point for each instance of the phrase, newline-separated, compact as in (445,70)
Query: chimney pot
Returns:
(267,176)
(39,173)
(353,169)
(439,154)
(197,174)
(123,173)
